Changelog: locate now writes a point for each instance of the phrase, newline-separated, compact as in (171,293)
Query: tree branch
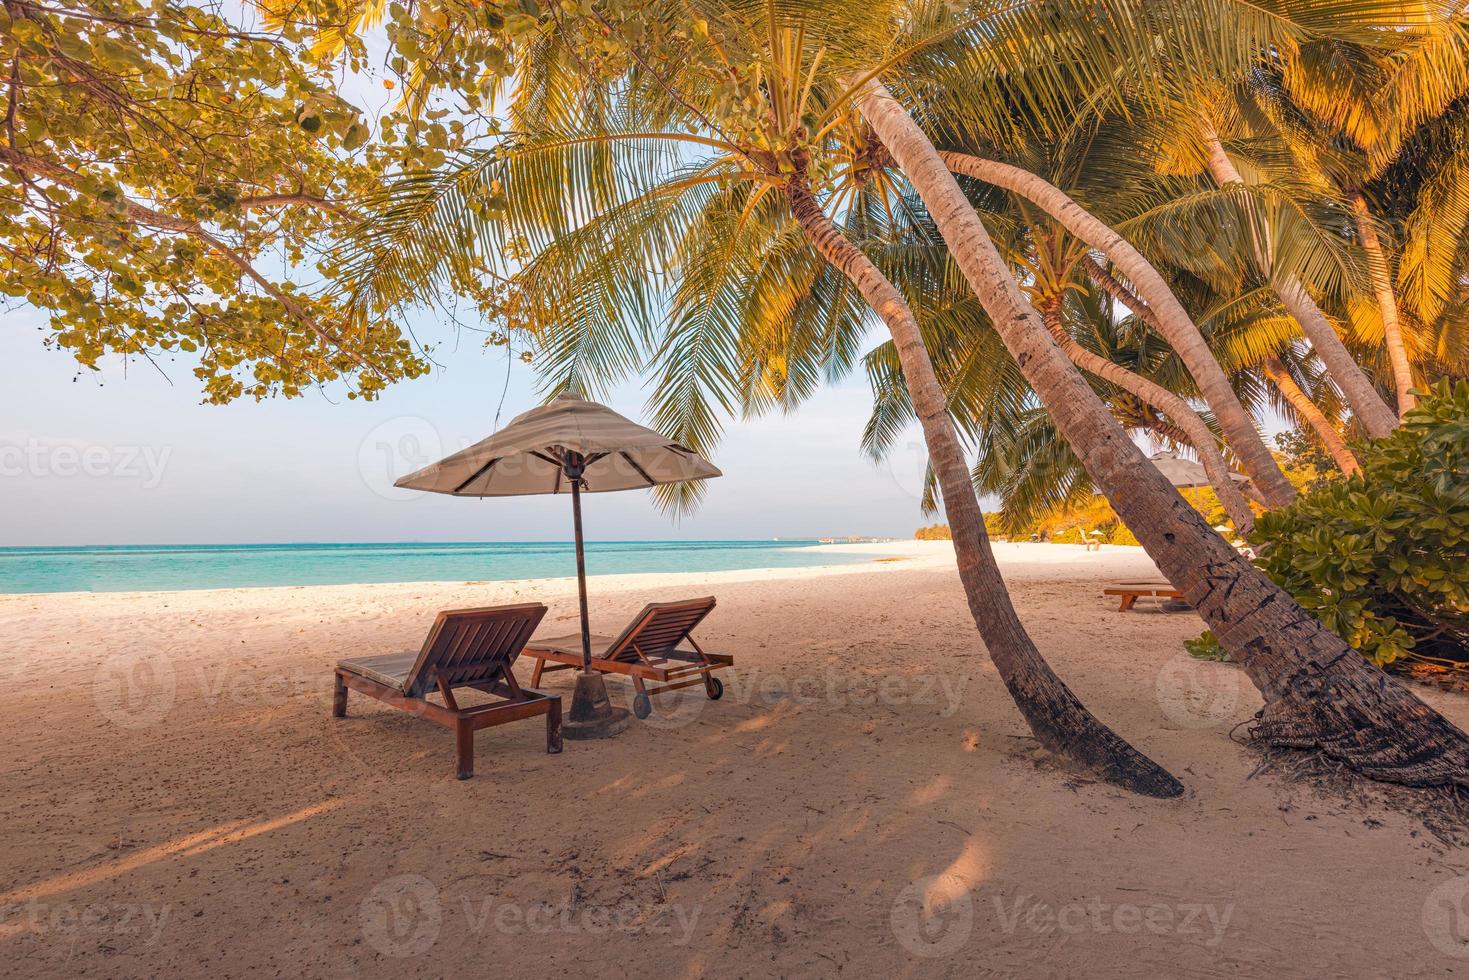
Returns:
(25,164)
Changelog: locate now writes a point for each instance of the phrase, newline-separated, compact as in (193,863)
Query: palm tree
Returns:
(763,99)
(1170,318)
(1021,457)
(1308,413)
(665,179)
(1350,112)
(1051,263)
(1376,417)
(1318,693)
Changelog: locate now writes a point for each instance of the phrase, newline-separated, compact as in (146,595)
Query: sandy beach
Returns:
(864,801)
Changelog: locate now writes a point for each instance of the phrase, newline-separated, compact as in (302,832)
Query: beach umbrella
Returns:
(1185,473)
(571,446)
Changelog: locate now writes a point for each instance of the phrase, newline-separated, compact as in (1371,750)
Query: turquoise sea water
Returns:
(152,568)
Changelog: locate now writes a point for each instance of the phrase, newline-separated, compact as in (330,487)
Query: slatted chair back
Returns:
(659,628)
(472,646)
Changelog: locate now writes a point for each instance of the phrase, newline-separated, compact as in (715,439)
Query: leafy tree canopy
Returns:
(167,176)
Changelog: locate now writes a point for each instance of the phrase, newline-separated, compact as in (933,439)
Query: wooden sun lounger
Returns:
(1131,592)
(466,648)
(647,651)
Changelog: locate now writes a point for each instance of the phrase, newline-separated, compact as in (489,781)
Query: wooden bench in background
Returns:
(1131,592)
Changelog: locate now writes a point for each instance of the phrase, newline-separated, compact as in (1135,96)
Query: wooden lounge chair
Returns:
(466,648)
(1131,592)
(646,651)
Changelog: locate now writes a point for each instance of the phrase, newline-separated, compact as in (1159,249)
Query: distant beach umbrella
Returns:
(569,445)
(1185,473)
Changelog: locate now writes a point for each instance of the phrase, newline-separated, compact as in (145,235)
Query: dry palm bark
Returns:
(1387,304)
(1185,418)
(1319,693)
(1376,417)
(1057,717)
(1169,319)
(1308,412)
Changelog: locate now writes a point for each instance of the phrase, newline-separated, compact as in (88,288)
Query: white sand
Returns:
(864,800)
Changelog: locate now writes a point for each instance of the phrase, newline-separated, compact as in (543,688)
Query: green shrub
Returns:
(1206,647)
(1383,558)
(1070,535)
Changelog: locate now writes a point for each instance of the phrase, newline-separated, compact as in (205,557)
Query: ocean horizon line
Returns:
(26,569)
(432,542)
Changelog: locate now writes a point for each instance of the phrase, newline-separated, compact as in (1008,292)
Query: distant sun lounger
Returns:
(466,648)
(1131,592)
(646,651)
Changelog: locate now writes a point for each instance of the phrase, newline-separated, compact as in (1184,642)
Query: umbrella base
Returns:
(592,714)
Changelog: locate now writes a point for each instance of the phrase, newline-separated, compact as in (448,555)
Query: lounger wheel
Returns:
(642,706)
(715,688)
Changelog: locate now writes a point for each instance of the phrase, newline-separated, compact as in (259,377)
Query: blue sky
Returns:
(128,458)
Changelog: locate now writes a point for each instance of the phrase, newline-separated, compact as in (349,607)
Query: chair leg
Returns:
(553,727)
(1127,602)
(339,697)
(535,674)
(464,749)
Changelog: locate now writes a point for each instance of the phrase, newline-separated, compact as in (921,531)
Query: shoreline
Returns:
(886,556)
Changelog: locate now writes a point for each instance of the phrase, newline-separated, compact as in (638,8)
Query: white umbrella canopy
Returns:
(1185,473)
(528,456)
(569,445)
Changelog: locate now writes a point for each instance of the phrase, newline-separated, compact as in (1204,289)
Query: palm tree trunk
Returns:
(1057,717)
(1307,411)
(1319,693)
(1387,304)
(1376,417)
(1166,429)
(1170,319)
(1197,433)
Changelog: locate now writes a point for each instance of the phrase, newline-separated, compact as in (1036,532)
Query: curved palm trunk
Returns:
(1196,433)
(1169,318)
(1057,717)
(1307,411)
(1319,693)
(1387,304)
(1355,386)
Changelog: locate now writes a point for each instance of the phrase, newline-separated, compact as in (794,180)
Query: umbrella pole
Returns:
(581,577)
(592,714)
